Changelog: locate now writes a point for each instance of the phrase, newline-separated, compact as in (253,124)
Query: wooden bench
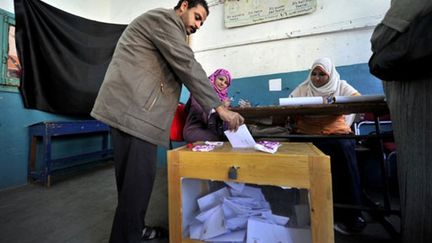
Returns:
(51,129)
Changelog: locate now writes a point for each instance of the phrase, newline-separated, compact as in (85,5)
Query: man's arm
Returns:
(403,12)
(397,19)
(169,38)
(170,41)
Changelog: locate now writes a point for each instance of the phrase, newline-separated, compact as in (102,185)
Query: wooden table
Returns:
(278,116)
(299,165)
(377,108)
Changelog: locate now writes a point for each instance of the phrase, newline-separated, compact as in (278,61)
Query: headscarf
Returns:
(223,94)
(332,86)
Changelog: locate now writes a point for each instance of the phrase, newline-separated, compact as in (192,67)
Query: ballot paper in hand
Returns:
(240,138)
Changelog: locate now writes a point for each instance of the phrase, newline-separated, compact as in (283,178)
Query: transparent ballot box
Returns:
(246,195)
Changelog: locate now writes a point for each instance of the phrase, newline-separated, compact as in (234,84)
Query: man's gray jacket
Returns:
(142,86)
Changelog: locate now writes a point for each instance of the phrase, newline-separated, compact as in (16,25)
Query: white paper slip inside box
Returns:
(241,138)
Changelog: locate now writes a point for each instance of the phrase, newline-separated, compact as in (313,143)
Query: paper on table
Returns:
(360,98)
(301,101)
(241,138)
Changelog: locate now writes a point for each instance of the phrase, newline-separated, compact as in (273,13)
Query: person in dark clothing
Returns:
(410,104)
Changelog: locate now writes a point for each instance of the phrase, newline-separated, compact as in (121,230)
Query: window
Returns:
(10,65)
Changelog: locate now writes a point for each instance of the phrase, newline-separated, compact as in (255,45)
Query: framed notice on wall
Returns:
(247,12)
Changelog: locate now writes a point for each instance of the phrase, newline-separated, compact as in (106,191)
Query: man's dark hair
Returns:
(194,3)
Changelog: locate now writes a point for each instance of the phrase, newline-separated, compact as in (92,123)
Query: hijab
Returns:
(332,87)
(223,94)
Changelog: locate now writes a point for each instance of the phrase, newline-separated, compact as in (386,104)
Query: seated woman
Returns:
(200,125)
(324,81)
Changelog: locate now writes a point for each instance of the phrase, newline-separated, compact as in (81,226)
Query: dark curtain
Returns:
(64,57)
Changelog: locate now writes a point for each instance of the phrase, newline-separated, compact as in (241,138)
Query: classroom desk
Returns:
(279,114)
(377,108)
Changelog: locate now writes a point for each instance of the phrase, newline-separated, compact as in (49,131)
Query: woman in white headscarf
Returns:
(324,81)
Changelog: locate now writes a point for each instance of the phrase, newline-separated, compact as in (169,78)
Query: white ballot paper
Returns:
(212,199)
(236,236)
(229,212)
(215,225)
(261,232)
(241,138)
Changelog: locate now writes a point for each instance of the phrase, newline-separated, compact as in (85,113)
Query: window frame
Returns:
(7,19)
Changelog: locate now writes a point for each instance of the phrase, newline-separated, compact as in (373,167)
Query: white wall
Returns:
(125,14)
(95,9)
(338,29)
(7,5)
(99,10)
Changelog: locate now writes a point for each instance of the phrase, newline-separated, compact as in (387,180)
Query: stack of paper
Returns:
(240,213)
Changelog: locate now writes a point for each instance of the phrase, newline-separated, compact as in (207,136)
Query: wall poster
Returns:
(247,12)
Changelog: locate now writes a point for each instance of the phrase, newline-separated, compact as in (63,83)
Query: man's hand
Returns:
(227,102)
(233,119)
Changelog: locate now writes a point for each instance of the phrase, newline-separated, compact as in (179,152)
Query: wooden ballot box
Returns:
(299,165)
